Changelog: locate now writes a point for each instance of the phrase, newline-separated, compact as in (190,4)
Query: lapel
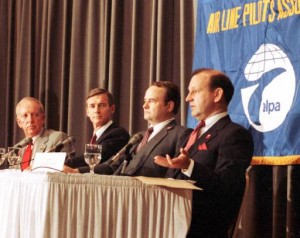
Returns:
(104,134)
(41,142)
(143,155)
(202,143)
(22,150)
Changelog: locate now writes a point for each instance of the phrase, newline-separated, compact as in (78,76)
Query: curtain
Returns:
(271,204)
(57,50)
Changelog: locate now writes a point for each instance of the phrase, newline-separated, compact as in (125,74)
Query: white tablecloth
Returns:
(85,205)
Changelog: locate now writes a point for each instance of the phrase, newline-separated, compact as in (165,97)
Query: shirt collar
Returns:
(101,130)
(209,122)
(158,127)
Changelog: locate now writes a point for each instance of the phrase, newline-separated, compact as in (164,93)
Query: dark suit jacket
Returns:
(221,156)
(112,140)
(167,141)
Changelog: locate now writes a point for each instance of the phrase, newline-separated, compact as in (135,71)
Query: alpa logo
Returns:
(270,90)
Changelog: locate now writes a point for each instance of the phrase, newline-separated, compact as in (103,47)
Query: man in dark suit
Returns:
(161,103)
(31,119)
(216,156)
(100,108)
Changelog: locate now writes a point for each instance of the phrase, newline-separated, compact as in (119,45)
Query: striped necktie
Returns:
(93,139)
(145,138)
(194,135)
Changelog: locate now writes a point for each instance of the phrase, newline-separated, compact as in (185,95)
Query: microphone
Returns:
(132,141)
(17,147)
(107,168)
(23,143)
(62,144)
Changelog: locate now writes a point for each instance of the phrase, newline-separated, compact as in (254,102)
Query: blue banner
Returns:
(257,44)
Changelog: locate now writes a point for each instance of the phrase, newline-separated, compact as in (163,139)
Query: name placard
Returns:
(50,162)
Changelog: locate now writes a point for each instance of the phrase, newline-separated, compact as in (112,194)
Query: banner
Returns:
(257,44)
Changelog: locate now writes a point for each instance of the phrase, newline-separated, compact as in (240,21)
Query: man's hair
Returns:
(98,91)
(172,93)
(41,106)
(218,80)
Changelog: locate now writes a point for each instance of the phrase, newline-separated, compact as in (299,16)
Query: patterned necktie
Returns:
(194,135)
(93,139)
(26,157)
(145,138)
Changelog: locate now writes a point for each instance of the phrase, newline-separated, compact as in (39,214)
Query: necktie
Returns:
(145,138)
(26,157)
(194,135)
(93,139)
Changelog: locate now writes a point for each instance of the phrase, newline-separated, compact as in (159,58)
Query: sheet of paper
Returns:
(51,162)
(173,183)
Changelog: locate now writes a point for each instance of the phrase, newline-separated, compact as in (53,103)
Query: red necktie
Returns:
(194,135)
(93,140)
(145,138)
(26,157)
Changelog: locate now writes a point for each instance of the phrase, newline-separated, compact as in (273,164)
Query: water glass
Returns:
(2,153)
(92,155)
(14,159)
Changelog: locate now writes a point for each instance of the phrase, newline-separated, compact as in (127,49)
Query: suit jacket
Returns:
(47,140)
(221,156)
(112,140)
(167,141)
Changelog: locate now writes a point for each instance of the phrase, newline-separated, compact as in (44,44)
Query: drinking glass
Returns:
(92,155)
(2,153)
(14,159)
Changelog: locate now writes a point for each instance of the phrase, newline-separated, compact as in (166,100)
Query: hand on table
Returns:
(69,170)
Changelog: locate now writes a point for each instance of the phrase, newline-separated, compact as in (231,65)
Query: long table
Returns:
(43,204)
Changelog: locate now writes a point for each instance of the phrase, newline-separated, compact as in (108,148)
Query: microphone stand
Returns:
(129,155)
(124,165)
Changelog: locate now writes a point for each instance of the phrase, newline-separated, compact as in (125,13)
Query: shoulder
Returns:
(52,133)
(235,131)
(233,126)
(115,131)
(178,133)
(184,129)
(179,129)
(114,128)
(227,124)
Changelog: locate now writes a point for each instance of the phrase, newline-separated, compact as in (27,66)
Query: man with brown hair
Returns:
(100,108)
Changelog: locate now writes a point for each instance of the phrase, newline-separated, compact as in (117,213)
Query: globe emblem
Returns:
(270,90)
